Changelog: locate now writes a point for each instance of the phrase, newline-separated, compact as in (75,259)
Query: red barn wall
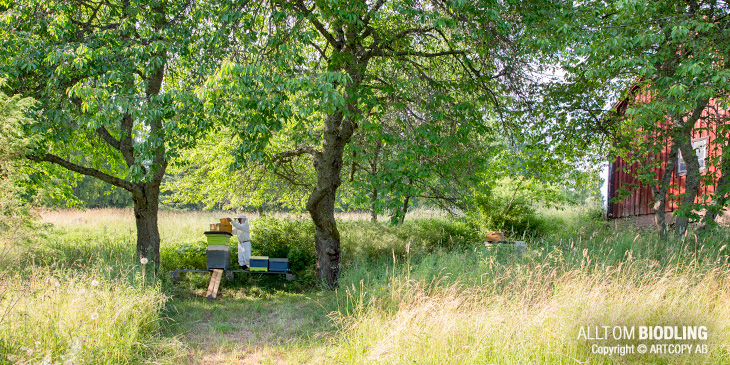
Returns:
(640,201)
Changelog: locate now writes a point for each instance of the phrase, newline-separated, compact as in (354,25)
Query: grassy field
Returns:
(425,292)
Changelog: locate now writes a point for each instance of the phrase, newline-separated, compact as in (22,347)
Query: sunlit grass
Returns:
(100,314)
(509,308)
(425,292)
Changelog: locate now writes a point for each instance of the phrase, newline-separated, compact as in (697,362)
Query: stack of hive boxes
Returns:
(219,237)
(264,263)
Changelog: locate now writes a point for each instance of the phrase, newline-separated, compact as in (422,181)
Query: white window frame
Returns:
(700,147)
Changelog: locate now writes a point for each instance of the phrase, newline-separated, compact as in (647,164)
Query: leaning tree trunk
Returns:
(373,208)
(146,205)
(692,185)
(660,193)
(404,209)
(719,199)
(374,192)
(321,203)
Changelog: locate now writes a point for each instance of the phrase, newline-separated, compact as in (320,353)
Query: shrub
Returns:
(187,255)
(511,207)
(364,241)
(290,238)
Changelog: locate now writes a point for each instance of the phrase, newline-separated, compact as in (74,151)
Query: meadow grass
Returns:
(500,307)
(96,310)
(424,292)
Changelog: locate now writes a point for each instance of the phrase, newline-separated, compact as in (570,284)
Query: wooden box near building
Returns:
(494,236)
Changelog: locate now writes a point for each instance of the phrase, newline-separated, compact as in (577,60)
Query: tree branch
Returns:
(124,184)
(379,4)
(108,138)
(126,146)
(298,152)
(317,24)
(426,54)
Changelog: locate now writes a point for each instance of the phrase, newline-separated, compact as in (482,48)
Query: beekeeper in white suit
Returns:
(240,229)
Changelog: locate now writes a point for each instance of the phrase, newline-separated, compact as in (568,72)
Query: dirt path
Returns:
(246,326)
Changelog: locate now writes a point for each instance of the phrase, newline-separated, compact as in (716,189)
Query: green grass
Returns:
(82,311)
(423,292)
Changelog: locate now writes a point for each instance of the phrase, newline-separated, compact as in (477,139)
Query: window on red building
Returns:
(700,147)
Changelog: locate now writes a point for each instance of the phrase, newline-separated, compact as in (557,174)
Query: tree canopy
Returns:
(115,87)
(674,52)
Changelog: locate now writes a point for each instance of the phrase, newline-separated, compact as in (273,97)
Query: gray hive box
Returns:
(278,264)
(218,257)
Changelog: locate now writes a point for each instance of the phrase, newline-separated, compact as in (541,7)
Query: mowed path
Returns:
(247,324)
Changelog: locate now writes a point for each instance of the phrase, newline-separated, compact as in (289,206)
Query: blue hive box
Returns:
(278,264)
(259,263)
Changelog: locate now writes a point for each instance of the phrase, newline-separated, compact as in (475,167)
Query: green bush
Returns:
(285,238)
(495,213)
(364,241)
(187,255)
(448,234)
(511,207)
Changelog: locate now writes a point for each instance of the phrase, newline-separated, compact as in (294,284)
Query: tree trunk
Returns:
(404,210)
(692,185)
(321,203)
(327,241)
(373,174)
(373,199)
(660,193)
(338,130)
(692,182)
(720,198)
(145,214)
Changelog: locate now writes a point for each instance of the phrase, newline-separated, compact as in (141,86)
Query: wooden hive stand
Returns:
(215,282)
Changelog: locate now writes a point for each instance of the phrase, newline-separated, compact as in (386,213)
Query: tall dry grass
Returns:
(73,293)
(503,308)
(82,316)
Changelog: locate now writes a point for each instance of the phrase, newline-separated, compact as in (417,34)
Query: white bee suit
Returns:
(241,231)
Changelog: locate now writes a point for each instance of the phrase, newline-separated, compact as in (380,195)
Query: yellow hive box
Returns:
(218,227)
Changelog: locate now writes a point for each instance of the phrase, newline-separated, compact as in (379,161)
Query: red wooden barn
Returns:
(638,205)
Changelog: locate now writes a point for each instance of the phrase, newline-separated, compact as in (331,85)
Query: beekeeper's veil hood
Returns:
(242,218)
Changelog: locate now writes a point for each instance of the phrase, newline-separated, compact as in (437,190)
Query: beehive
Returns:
(278,264)
(218,238)
(218,257)
(259,263)
(223,226)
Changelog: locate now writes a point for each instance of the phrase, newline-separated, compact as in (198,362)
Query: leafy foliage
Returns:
(511,206)
(14,213)
(207,175)
(115,83)
(667,62)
